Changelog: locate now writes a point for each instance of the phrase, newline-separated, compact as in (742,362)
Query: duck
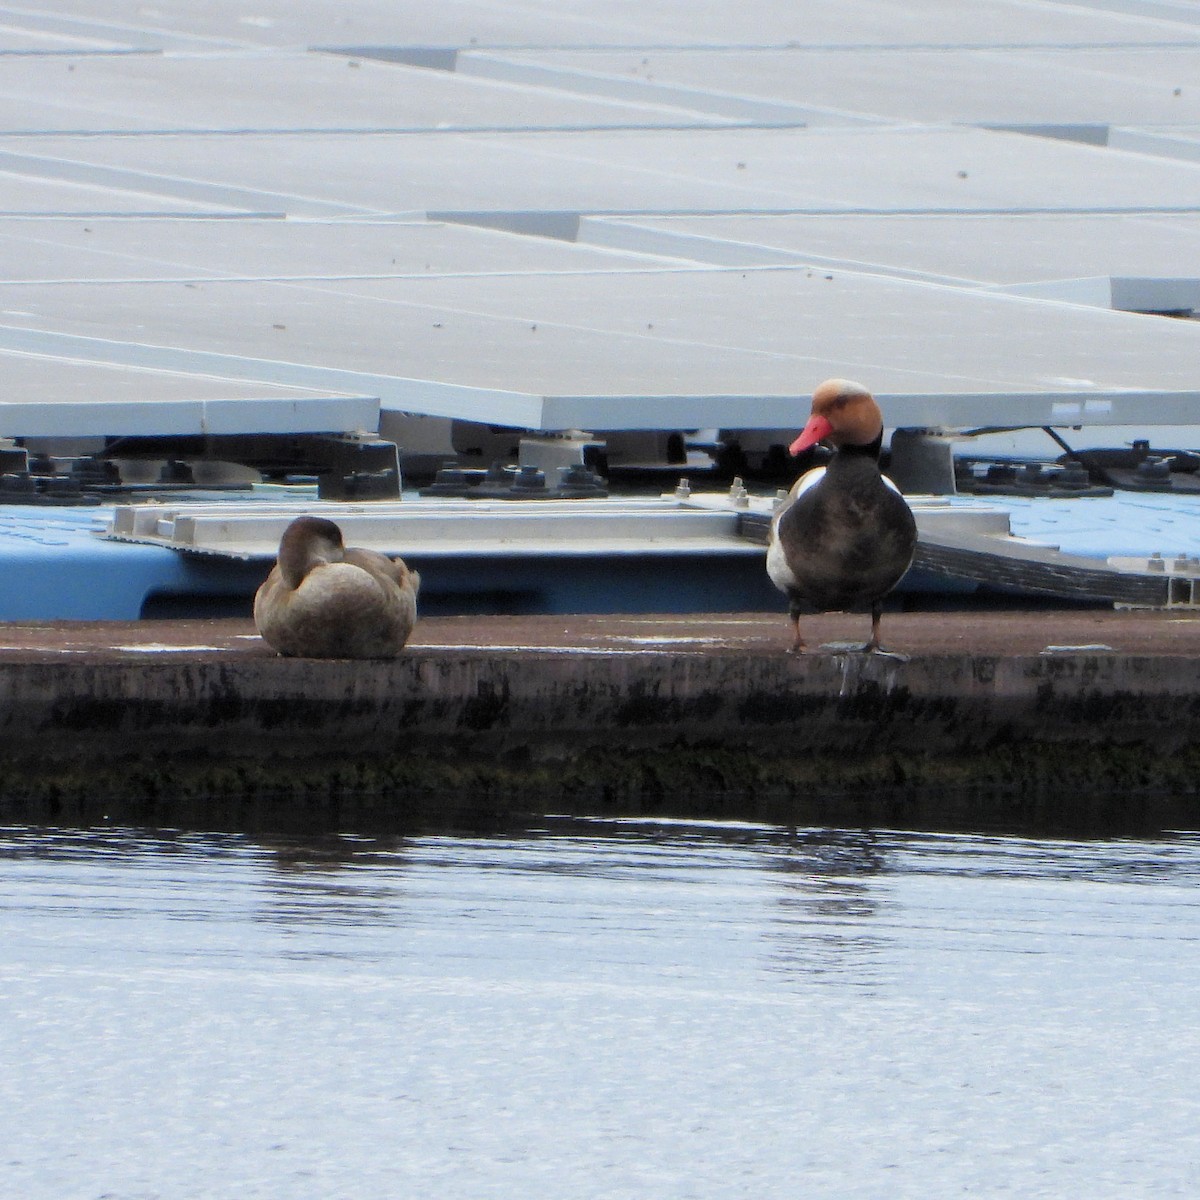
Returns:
(323,599)
(844,536)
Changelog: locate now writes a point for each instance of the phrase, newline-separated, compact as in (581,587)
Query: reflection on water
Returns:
(598,1009)
(826,923)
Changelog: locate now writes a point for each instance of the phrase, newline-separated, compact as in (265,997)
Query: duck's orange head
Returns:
(843,413)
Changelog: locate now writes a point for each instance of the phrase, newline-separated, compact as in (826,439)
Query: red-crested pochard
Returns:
(324,600)
(844,536)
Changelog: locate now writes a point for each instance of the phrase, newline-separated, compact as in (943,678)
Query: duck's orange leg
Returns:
(798,644)
(876,614)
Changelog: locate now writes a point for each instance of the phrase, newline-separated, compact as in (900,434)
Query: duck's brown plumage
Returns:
(324,600)
(844,537)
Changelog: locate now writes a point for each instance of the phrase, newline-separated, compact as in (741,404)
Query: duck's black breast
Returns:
(848,539)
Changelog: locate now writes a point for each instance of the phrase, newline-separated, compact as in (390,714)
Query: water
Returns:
(625,1011)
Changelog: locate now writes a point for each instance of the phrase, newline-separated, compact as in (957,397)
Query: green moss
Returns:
(1029,781)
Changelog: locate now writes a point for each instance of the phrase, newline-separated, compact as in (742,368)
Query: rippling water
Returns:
(598,1011)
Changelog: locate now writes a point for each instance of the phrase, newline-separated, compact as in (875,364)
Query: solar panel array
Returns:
(277,217)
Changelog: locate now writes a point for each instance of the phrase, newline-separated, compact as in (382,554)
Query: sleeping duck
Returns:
(844,536)
(322,600)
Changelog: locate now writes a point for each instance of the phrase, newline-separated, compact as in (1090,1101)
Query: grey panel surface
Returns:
(57,397)
(974,250)
(1015,85)
(344,298)
(737,170)
(286,91)
(33,194)
(117,249)
(287,23)
(36,41)
(91,24)
(708,347)
(1173,141)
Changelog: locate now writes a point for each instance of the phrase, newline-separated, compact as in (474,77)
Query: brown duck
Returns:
(844,536)
(324,600)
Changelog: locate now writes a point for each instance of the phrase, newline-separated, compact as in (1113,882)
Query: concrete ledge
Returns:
(197,723)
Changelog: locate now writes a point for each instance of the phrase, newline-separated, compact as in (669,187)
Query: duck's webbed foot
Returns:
(873,646)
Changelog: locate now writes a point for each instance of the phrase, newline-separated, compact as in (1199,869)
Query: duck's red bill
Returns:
(817,429)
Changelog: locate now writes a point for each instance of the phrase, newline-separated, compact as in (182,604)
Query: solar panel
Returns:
(593,215)
(1151,83)
(48,396)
